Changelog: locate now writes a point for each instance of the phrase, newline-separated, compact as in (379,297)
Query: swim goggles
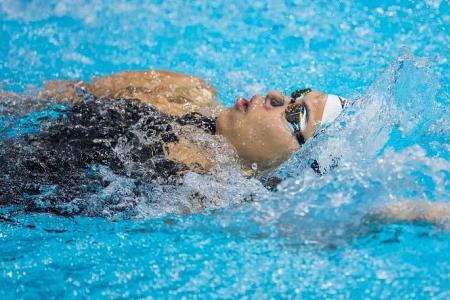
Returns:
(295,114)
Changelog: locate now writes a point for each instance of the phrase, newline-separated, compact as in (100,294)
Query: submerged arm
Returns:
(416,211)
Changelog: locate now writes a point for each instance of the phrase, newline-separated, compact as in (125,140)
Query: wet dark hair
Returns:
(126,136)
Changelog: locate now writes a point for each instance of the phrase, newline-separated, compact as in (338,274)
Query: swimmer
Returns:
(264,131)
(186,129)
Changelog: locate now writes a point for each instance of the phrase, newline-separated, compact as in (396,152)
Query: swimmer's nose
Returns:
(257,98)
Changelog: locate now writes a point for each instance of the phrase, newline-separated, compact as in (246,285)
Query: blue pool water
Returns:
(310,239)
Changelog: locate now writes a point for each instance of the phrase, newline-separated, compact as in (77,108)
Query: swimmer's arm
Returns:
(170,92)
(64,90)
(416,211)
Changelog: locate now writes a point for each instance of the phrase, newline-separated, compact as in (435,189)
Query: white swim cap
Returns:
(333,107)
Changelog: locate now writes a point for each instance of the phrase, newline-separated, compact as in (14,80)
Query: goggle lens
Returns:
(295,113)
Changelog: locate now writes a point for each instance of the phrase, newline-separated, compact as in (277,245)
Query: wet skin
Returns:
(258,130)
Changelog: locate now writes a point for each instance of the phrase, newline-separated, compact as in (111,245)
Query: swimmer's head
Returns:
(259,131)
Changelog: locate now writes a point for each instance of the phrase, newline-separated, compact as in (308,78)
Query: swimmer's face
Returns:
(258,128)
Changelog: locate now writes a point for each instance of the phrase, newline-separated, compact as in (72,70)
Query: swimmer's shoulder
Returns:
(172,93)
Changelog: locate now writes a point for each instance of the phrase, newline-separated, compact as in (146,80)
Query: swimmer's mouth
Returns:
(242,104)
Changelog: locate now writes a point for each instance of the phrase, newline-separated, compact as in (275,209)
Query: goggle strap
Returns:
(298,94)
(300,138)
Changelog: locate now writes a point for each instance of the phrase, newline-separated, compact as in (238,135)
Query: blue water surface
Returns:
(309,240)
